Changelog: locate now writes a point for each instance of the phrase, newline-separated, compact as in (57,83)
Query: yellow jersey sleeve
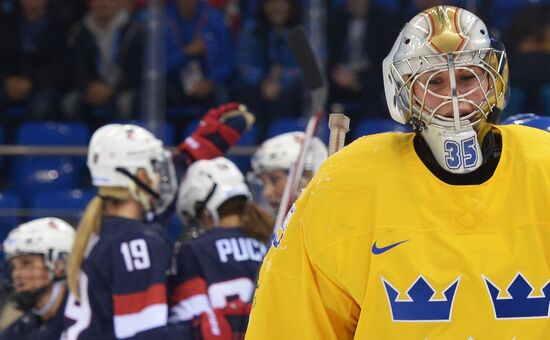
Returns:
(294,299)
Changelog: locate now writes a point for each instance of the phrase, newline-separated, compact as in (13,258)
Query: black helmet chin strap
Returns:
(27,300)
(199,207)
(138,182)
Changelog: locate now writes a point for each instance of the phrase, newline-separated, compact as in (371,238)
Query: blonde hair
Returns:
(90,223)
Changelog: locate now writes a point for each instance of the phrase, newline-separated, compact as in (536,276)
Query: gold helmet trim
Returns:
(445,32)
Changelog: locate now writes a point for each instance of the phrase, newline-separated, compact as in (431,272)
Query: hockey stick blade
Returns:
(313,76)
(301,50)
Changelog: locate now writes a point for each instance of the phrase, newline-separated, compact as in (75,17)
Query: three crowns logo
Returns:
(521,303)
(421,305)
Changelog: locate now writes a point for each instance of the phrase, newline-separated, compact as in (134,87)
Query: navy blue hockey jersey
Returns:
(122,285)
(31,327)
(217,270)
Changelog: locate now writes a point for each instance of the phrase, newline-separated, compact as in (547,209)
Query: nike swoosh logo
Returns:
(378,251)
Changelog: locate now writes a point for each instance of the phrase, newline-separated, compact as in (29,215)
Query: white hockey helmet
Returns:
(281,152)
(446,40)
(49,236)
(115,154)
(207,185)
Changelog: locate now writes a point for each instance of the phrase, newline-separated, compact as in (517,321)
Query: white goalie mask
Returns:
(447,78)
(206,186)
(51,237)
(116,153)
(281,152)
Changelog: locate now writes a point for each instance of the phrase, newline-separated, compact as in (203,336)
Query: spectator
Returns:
(74,10)
(32,51)
(528,41)
(107,47)
(199,58)
(269,80)
(359,39)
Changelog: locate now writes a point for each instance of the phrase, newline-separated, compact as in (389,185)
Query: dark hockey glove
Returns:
(218,130)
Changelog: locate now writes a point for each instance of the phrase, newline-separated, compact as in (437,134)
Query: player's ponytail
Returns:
(257,222)
(90,223)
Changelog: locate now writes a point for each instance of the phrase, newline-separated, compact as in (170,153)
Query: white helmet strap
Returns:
(56,291)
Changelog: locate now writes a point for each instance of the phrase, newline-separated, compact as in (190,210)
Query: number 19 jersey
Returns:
(122,285)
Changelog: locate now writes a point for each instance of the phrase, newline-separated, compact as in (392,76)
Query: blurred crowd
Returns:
(84,59)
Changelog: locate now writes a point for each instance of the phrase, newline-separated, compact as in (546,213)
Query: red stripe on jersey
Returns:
(237,308)
(136,302)
(187,289)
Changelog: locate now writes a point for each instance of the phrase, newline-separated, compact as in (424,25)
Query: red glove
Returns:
(212,325)
(218,130)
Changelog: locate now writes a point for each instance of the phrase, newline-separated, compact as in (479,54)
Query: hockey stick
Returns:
(338,123)
(311,70)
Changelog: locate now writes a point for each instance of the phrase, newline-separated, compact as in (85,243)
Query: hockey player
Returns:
(36,252)
(529,119)
(437,234)
(117,266)
(215,274)
(274,159)
(218,130)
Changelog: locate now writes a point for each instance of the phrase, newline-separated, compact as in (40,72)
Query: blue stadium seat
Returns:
(41,173)
(502,12)
(371,126)
(31,174)
(185,111)
(283,125)
(9,201)
(65,204)
(53,133)
(189,128)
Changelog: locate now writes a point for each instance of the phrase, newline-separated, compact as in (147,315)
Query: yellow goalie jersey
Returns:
(377,247)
